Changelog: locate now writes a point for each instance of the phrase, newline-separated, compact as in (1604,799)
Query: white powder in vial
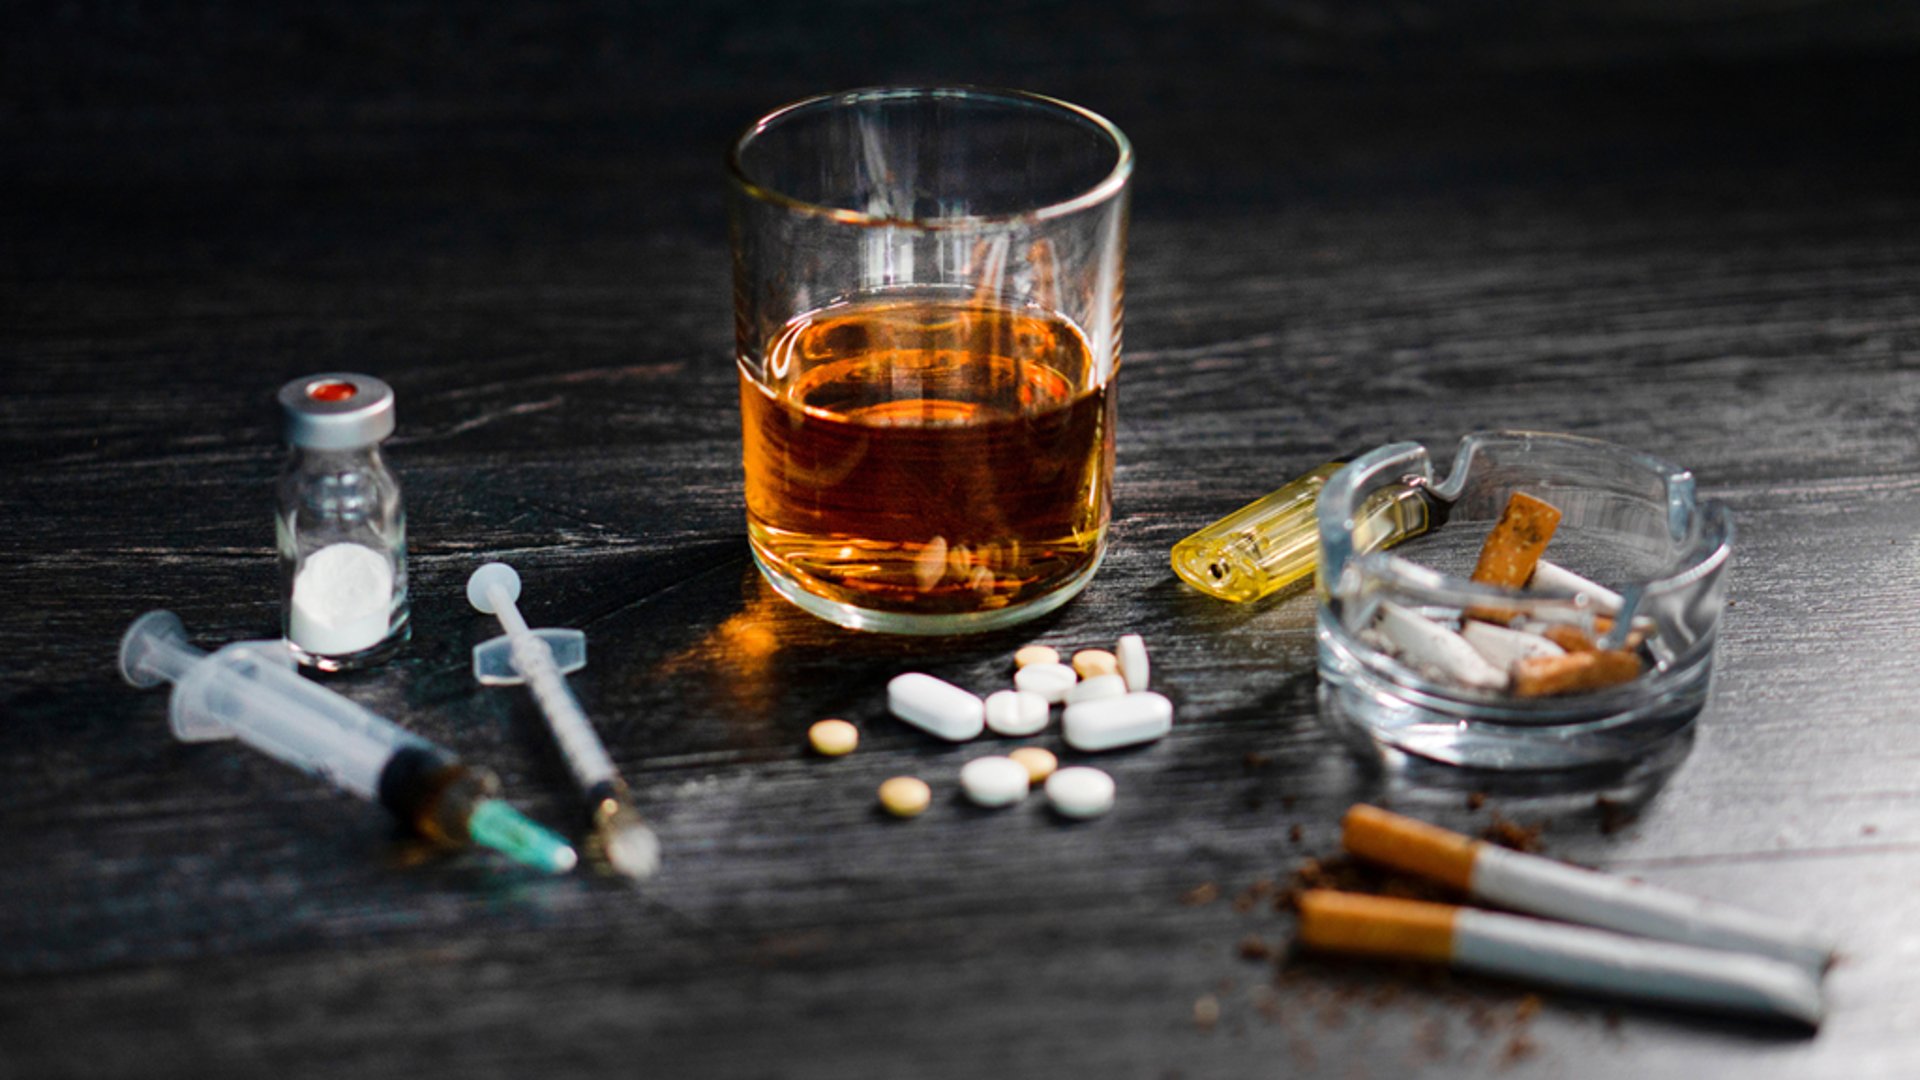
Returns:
(342,600)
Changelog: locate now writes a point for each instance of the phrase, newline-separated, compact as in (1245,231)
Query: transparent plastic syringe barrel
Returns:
(249,690)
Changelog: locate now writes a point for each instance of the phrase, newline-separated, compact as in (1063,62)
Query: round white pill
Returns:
(1098,688)
(936,707)
(1016,713)
(1132,653)
(994,781)
(1050,681)
(1116,722)
(1080,792)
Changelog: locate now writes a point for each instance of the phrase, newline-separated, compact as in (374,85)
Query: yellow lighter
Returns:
(1273,542)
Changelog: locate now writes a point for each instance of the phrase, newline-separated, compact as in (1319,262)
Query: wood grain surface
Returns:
(1694,231)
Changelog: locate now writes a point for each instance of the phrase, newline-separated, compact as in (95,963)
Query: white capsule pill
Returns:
(1098,688)
(994,781)
(1502,646)
(1115,722)
(1426,644)
(1016,713)
(1132,651)
(1557,578)
(1050,681)
(936,707)
(1080,792)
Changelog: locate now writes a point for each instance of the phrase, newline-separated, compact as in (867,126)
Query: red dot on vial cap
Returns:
(332,390)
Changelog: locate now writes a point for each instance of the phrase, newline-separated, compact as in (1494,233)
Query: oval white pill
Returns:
(1016,713)
(1050,681)
(935,706)
(1080,792)
(1116,722)
(1132,653)
(994,781)
(1098,688)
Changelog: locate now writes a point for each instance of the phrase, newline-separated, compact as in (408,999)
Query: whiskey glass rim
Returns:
(1109,186)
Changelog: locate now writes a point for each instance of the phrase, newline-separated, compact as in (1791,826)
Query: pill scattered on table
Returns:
(1035,654)
(905,796)
(936,707)
(833,738)
(1089,663)
(1080,792)
(1016,713)
(1038,763)
(1116,722)
(1131,653)
(994,781)
(1050,681)
(1098,688)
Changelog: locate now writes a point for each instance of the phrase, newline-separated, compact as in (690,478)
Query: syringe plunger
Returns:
(250,690)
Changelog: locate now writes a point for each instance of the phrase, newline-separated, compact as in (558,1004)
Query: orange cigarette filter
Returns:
(1570,638)
(1413,846)
(1513,548)
(1576,672)
(1334,921)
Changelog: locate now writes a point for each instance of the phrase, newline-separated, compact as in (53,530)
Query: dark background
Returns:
(1692,228)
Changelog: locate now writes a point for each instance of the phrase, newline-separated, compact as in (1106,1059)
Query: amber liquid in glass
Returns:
(926,454)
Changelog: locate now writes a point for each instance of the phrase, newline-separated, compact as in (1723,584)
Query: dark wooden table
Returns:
(1696,236)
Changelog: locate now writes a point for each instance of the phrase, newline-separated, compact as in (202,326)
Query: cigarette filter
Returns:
(1513,548)
(1541,886)
(1544,676)
(1572,957)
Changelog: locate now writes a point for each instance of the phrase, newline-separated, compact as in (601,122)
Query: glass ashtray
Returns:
(1628,521)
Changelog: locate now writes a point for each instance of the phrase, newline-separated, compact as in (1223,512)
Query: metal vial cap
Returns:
(337,410)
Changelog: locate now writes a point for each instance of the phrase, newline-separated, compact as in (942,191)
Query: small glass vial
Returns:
(341,527)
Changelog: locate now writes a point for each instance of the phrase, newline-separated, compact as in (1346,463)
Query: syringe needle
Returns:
(250,691)
(629,845)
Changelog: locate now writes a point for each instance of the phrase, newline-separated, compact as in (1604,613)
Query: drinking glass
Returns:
(927,309)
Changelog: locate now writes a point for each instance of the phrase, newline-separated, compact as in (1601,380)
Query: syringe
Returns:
(250,691)
(541,659)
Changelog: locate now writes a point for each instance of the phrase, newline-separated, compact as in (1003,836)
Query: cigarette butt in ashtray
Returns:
(1541,886)
(1512,548)
(1572,957)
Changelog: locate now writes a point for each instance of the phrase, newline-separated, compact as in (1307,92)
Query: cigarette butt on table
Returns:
(1576,672)
(1543,886)
(1572,957)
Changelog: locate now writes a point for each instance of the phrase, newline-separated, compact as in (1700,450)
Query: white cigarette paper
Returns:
(1502,646)
(1425,643)
(1552,576)
(1544,887)
(1581,959)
